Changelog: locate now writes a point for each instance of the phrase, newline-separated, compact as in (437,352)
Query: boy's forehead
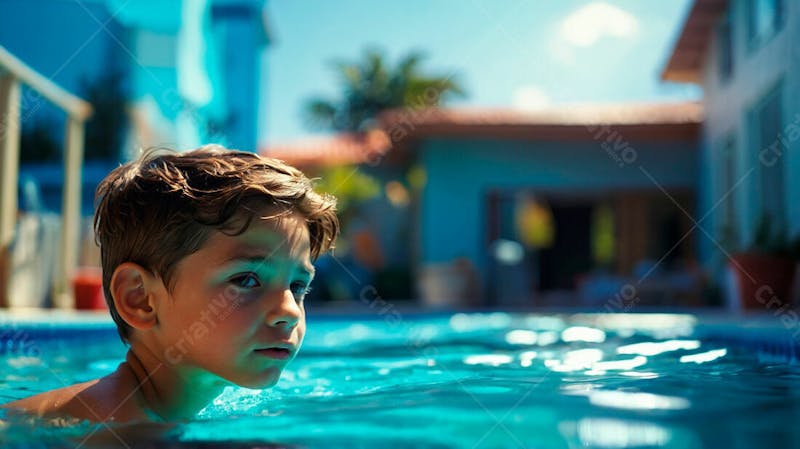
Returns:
(268,237)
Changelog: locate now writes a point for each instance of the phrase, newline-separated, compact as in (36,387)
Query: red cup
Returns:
(87,285)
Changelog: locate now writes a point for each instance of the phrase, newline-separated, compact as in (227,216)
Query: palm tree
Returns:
(370,86)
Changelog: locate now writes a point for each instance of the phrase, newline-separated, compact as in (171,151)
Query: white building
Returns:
(745,54)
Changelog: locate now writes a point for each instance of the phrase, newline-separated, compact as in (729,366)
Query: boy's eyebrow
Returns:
(259,258)
(248,258)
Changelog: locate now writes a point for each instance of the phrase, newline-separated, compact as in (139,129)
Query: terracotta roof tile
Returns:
(577,114)
(338,149)
(568,122)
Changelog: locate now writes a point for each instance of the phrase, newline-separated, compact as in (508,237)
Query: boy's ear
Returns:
(135,292)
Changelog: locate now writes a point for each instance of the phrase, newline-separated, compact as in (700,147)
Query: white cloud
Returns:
(530,98)
(585,26)
(562,52)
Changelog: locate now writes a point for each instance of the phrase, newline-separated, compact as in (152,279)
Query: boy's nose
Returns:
(284,310)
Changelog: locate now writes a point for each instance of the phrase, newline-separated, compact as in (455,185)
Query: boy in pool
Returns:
(207,256)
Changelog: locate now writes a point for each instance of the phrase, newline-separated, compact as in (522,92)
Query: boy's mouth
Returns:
(274,352)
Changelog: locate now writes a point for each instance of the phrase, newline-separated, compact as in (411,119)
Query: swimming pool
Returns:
(455,380)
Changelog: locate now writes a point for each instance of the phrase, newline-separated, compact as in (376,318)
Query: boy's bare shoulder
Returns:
(105,399)
(54,402)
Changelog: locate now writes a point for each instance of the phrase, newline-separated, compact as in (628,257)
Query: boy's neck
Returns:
(166,391)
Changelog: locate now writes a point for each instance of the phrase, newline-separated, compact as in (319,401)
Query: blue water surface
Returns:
(454,380)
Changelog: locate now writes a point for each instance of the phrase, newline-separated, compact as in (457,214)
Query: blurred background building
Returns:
(745,56)
(173,74)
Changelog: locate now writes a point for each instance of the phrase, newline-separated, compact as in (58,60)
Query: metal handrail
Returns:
(14,73)
(72,105)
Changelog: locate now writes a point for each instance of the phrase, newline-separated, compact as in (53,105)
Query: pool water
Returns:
(462,380)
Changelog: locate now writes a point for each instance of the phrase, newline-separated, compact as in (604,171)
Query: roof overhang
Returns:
(337,149)
(402,129)
(685,63)
(635,121)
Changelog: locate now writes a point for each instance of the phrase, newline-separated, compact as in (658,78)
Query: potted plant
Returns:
(765,270)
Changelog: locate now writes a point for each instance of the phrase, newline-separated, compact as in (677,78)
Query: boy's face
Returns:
(236,300)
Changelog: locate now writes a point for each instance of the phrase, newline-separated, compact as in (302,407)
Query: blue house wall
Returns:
(235,28)
(64,43)
(198,63)
(148,41)
(461,172)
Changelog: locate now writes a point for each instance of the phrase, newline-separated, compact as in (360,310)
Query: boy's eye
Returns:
(246,280)
(300,288)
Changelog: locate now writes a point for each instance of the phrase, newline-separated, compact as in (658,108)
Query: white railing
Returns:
(13,74)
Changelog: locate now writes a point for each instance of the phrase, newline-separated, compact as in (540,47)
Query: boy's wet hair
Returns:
(162,207)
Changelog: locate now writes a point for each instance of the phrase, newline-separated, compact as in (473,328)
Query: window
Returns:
(725,48)
(764,19)
(770,155)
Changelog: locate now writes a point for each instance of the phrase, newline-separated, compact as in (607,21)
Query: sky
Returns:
(522,54)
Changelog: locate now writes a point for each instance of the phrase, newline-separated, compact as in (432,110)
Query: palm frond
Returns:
(320,114)
(370,85)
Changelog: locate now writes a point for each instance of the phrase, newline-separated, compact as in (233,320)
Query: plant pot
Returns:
(87,285)
(764,281)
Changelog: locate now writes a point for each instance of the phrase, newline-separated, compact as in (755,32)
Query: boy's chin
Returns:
(260,383)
